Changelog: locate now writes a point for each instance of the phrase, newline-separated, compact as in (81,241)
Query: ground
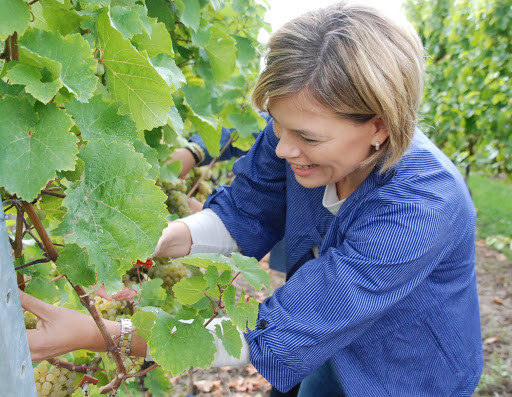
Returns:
(494,276)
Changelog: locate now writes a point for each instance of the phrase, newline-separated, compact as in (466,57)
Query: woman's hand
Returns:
(58,330)
(126,294)
(175,242)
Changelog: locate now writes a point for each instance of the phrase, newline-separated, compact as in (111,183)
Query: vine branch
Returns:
(45,238)
(72,366)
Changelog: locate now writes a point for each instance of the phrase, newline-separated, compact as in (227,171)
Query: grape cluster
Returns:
(170,273)
(176,197)
(111,310)
(54,381)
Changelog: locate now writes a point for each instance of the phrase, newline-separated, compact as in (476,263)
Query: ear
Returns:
(380,130)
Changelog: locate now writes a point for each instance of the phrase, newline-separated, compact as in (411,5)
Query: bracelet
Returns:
(125,339)
(196,147)
(196,157)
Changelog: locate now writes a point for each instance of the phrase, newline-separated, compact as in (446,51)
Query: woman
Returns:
(381,294)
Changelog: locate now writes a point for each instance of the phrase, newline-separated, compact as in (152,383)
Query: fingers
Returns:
(36,306)
(102,293)
(126,294)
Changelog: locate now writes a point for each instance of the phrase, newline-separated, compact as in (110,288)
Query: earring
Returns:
(377,145)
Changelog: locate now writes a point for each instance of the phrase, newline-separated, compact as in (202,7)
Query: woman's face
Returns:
(321,147)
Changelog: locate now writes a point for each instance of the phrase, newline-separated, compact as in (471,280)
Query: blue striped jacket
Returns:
(391,299)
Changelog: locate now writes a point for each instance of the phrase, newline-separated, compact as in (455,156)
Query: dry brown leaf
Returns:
(491,340)
(498,301)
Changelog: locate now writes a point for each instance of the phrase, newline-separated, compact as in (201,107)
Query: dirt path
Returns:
(494,272)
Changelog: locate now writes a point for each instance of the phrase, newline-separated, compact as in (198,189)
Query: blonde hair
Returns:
(355,61)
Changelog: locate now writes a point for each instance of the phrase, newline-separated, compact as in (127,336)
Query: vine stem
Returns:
(142,372)
(34,262)
(109,341)
(212,163)
(72,366)
(18,244)
(45,238)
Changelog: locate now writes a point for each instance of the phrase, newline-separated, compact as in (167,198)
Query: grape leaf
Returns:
(74,262)
(190,13)
(94,4)
(189,290)
(31,78)
(43,288)
(152,293)
(251,270)
(60,17)
(243,313)
(157,382)
(230,337)
(35,143)
(221,51)
(126,20)
(114,211)
(111,274)
(151,156)
(157,42)
(72,52)
(166,67)
(100,119)
(132,79)
(209,132)
(206,260)
(190,345)
(161,9)
(245,124)
(199,100)
(14,17)
(245,49)
(144,321)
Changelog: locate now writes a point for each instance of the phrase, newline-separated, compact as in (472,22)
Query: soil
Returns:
(494,277)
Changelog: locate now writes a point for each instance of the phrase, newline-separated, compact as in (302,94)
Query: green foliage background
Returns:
(466,108)
(94,97)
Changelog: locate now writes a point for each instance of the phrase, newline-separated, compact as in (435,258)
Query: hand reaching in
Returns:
(58,330)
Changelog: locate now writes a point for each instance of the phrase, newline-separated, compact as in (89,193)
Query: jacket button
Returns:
(262,324)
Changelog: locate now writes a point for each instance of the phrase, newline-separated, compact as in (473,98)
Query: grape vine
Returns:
(94,97)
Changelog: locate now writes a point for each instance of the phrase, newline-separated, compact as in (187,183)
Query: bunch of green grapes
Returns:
(135,275)
(176,197)
(54,381)
(111,310)
(170,273)
(30,320)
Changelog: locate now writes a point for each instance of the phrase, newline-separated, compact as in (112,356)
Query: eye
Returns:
(308,140)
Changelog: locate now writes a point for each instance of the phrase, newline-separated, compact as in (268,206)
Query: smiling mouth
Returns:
(304,167)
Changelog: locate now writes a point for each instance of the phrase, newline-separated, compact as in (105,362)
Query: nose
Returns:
(287,147)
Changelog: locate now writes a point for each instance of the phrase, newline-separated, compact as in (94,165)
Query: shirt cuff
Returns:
(209,234)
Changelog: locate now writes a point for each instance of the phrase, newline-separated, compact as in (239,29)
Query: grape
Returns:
(170,273)
(30,320)
(111,310)
(53,381)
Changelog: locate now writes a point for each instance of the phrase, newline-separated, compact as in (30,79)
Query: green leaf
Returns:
(158,42)
(175,121)
(132,79)
(161,9)
(74,262)
(221,51)
(43,288)
(111,274)
(166,67)
(243,313)
(151,156)
(190,345)
(205,260)
(35,143)
(114,211)
(251,271)
(14,17)
(72,52)
(60,16)
(31,78)
(126,20)
(230,337)
(169,172)
(189,290)
(211,275)
(144,321)
(94,4)
(100,119)
(157,382)
(199,99)
(245,124)
(209,132)
(190,13)
(152,293)
(246,51)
